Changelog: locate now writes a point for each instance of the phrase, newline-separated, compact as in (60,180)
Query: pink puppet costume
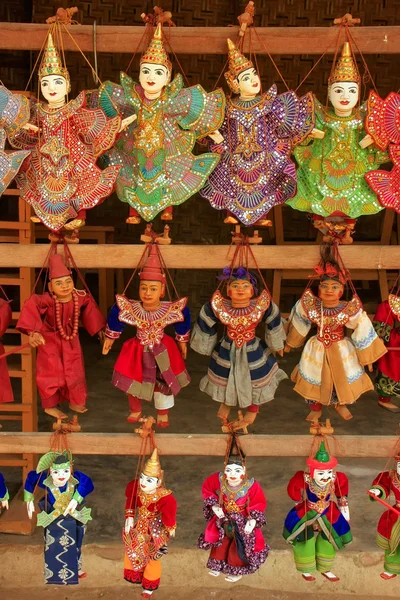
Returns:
(6,393)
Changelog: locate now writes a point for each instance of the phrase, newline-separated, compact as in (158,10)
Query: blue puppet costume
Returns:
(4,495)
(62,518)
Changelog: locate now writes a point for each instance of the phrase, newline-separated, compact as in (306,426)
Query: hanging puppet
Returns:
(159,170)
(243,371)
(51,320)
(14,116)
(382,124)
(317,526)
(4,495)
(62,515)
(331,368)
(6,392)
(151,364)
(331,183)
(150,521)
(387,381)
(259,133)
(234,507)
(61,180)
(388,537)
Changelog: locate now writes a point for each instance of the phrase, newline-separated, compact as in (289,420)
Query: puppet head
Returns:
(152,475)
(155,67)
(332,278)
(242,77)
(344,84)
(60,466)
(235,464)
(322,466)
(152,280)
(61,283)
(54,78)
(241,285)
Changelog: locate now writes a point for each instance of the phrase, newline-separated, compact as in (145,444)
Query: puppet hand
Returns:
(4,504)
(127,121)
(287,348)
(36,339)
(345,512)
(251,523)
(30,507)
(71,507)
(108,342)
(128,524)
(317,134)
(172,533)
(30,127)
(216,137)
(183,349)
(280,352)
(375,492)
(370,368)
(101,334)
(218,512)
(366,141)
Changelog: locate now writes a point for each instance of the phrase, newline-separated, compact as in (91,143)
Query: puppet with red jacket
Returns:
(51,320)
(150,521)
(6,393)
(387,382)
(317,527)
(388,534)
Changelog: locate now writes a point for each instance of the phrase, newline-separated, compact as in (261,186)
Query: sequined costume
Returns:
(331,367)
(242,370)
(147,541)
(61,177)
(14,114)
(233,552)
(388,533)
(6,392)
(382,124)
(255,172)
(387,381)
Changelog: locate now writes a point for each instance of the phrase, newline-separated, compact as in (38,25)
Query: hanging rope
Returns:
(272,60)
(146,29)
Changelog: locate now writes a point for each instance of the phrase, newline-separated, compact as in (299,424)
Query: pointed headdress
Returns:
(57,267)
(51,63)
(155,53)
(152,468)
(152,269)
(346,68)
(322,460)
(234,452)
(237,64)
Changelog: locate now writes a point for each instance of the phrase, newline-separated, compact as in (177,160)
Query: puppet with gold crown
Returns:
(61,179)
(150,365)
(317,527)
(150,521)
(51,320)
(159,170)
(260,131)
(331,183)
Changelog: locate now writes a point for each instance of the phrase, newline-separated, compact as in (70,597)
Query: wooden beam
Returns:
(124,256)
(173,444)
(204,40)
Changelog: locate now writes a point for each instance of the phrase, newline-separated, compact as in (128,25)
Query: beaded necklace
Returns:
(75,322)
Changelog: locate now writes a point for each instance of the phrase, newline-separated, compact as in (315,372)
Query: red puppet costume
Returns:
(60,372)
(387,382)
(6,393)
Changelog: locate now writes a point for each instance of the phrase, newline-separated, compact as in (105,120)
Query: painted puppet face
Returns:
(54,88)
(148,485)
(62,287)
(249,83)
(323,477)
(153,78)
(240,290)
(234,474)
(330,291)
(344,97)
(150,293)
(60,476)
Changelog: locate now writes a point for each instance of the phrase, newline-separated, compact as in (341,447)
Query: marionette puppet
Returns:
(62,515)
(243,371)
(331,368)
(331,183)
(259,133)
(159,170)
(150,521)
(388,537)
(317,527)
(61,180)
(234,507)
(4,495)
(151,364)
(6,392)
(387,381)
(51,320)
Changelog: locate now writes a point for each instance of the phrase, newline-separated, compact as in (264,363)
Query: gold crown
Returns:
(152,468)
(155,53)
(51,63)
(346,68)
(237,64)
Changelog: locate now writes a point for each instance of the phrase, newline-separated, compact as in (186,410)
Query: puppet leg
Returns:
(386,402)
(151,578)
(163,403)
(129,574)
(218,557)
(50,405)
(315,411)
(223,412)
(325,554)
(251,414)
(134,217)
(230,218)
(77,402)
(304,556)
(392,563)
(80,532)
(135,406)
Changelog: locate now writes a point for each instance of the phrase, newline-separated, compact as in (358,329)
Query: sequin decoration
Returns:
(394,303)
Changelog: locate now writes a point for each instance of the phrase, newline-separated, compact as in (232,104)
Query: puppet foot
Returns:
(134,417)
(74,224)
(343,412)
(55,412)
(147,593)
(250,417)
(77,408)
(133,220)
(35,220)
(231,220)
(214,573)
(308,577)
(386,576)
(162,421)
(223,412)
(314,415)
(389,406)
(263,223)
(330,576)
(233,578)
(82,574)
